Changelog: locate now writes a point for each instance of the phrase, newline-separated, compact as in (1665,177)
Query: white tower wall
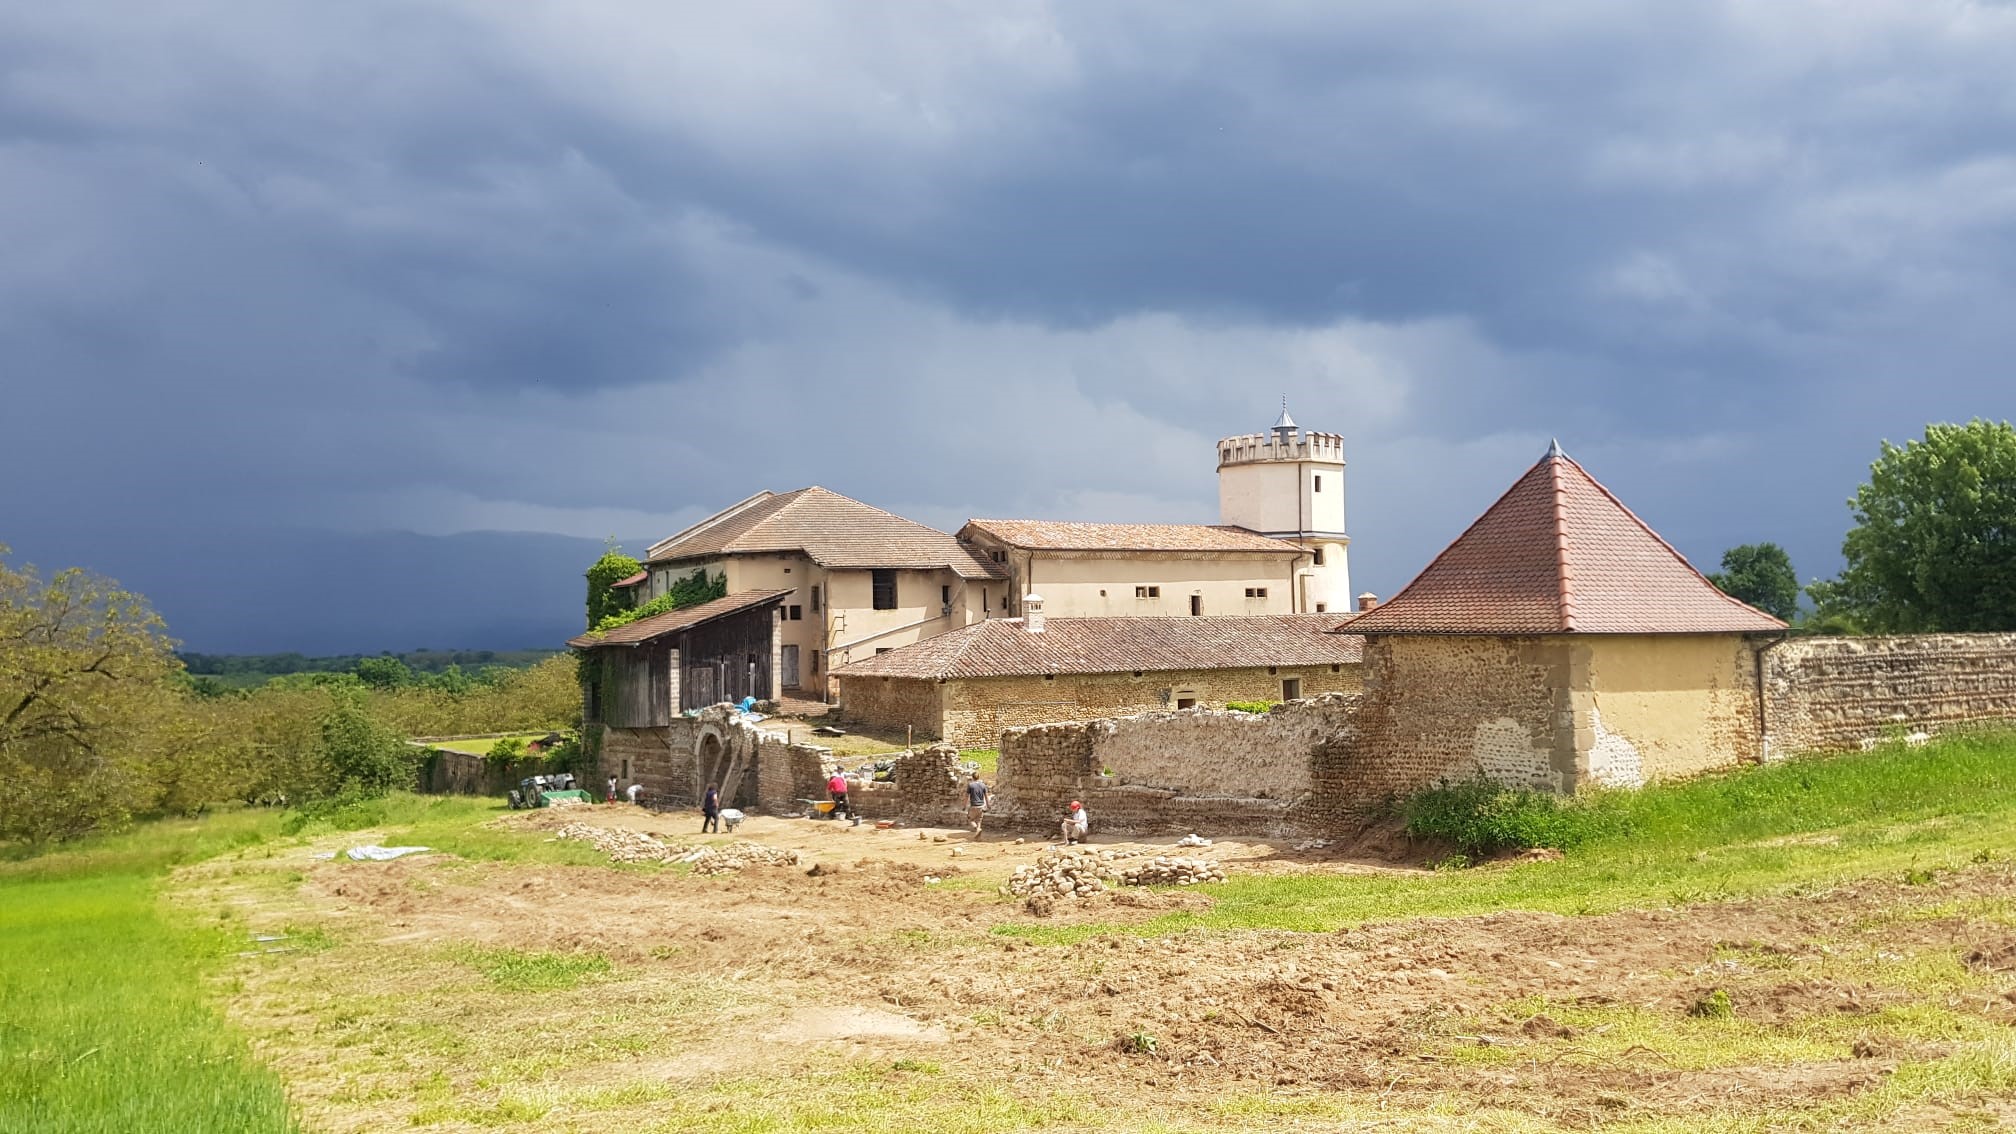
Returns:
(1289,484)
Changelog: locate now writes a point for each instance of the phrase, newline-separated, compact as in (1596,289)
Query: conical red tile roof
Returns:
(1558,554)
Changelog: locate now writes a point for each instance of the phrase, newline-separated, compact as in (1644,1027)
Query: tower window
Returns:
(1316,557)
(1319,483)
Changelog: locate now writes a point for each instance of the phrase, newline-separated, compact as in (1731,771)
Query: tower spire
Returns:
(1284,426)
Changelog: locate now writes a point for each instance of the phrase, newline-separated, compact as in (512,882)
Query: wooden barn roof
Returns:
(833,530)
(672,621)
(1001,647)
(1558,554)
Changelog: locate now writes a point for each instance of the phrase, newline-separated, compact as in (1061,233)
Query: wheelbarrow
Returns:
(819,808)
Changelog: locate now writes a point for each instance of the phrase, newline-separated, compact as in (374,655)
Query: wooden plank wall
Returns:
(718,659)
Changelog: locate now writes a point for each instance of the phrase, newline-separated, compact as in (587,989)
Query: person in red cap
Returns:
(1075,823)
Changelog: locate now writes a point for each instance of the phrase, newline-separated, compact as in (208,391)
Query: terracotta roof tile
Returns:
(1558,554)
(631,580)
(1000,647)
(684,618)
(1061,535)
(834,530)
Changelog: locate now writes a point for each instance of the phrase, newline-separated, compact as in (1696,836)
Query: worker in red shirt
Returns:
(837,788)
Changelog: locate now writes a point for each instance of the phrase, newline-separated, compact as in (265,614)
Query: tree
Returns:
(362,756)
(385,672)
(83,680)
(1934,542)
(613,567)
(1760,574)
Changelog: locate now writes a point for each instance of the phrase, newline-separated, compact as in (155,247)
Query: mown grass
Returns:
(103,1021)
(1805,823)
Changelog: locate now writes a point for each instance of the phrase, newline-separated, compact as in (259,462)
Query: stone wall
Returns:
(757,769)
(1197,770)
(1453,708)
(978,710)
(1836,693)
(446,771)
(894,703)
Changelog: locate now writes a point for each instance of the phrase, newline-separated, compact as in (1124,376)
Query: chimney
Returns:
(1367,601)
(1032,613)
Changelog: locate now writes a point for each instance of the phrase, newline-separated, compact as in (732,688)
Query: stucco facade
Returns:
(1290,485)
(1144,584)
(973,712)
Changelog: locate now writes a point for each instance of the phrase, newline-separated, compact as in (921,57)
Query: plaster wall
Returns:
(1660,707)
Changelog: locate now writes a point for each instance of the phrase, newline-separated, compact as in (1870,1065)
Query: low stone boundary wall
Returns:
(1823,694)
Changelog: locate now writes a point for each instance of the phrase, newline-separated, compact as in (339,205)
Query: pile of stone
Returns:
(620,845)
(1166,870)
(737,856)
(1064,874)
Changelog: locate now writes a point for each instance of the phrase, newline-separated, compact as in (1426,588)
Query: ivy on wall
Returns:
(696,588)
(613,567)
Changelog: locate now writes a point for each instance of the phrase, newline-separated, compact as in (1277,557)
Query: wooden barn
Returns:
(643,674)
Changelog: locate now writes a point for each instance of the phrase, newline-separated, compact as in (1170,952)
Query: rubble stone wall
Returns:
(977,710)
(893,702)
(1825,694)
(1454,708)
(789,772)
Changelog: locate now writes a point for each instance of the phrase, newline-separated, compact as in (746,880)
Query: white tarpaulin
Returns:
(376,853)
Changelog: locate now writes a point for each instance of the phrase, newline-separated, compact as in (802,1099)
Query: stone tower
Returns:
(1289,484)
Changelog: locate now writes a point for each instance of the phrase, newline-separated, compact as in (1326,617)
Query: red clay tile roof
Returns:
(1558,554)
(684,618)
(832,529)
(632,580)
(1000,647)
(1059,535)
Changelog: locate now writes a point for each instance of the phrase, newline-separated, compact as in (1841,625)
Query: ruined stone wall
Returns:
(789,772)
(893,702)
(977,710)
(1453,708)
(1198,770)
(1834,693)
(930,788)
(1663,706)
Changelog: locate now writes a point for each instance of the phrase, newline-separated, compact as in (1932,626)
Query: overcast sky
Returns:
(297,298)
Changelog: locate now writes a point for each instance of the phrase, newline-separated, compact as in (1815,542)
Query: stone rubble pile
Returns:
(737,856)
(1081,873)
(620,845)
(1166,870)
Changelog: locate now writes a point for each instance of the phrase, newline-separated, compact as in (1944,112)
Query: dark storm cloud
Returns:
(591,269)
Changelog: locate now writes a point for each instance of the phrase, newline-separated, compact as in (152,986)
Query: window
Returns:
(1196,605)
(880,650)
(1147,592)
(885,588)
(1321,607)
(945,594)
(1256,592)
(1186,702)
(1319,483)
(815,661)
(1291,689)
(797,613)
(1315,557)
(815,595)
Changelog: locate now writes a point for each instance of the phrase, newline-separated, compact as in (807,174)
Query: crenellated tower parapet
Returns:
(1288,483)
(1304,445)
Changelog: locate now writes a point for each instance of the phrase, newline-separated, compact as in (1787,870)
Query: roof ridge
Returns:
(1424,572)
(1563,574)
(1661,540)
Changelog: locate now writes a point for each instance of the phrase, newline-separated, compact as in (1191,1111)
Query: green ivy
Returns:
(696,588)
(613,567)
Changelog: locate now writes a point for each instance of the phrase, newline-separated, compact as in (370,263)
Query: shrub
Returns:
(362,756)
(506,750)
(1482,818)
(1251,706)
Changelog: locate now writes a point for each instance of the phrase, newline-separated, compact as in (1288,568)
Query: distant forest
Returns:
(419,661)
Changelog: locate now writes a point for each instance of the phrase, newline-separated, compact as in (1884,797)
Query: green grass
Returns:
(103,1021)
(534,972)
(481,746)
(1806,823)
(989,760)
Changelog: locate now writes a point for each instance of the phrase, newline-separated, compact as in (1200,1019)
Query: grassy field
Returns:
(1900,813)
(108,1026)
(1879,875)
(481,746)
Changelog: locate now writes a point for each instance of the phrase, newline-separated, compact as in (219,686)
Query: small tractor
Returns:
(544,791)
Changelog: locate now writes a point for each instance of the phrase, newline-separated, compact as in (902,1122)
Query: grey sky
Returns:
(284,280)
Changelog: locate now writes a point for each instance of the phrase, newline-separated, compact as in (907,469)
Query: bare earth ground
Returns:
(441,994)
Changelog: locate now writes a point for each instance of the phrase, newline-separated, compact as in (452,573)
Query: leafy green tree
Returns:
(613,567)
(1760,574)
(85,672)
(385,672)
(1934,542)
(361,755)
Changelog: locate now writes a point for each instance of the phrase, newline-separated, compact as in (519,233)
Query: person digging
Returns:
(1075,823)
